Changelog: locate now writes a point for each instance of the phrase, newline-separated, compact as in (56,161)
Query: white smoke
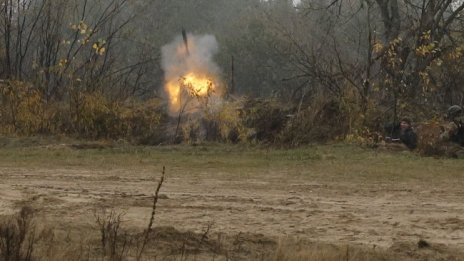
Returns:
(176,62)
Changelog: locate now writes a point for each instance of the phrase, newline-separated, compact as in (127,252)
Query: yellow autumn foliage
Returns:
(22,108)
(24,111)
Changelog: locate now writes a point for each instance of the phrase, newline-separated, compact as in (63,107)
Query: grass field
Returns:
(321,202)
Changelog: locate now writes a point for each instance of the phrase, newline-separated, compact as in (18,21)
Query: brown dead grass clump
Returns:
(290,250)
(17,236)
(322,121)
(115,242)
(429,143)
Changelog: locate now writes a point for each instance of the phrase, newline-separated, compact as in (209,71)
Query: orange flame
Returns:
(189,86)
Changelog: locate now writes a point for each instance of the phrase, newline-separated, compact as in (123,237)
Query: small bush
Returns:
(243,120)
(115,242)
(230,122)
(321,121)
(266,117)
(22,108)
(17,236)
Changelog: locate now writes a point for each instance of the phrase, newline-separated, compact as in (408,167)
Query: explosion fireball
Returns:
(190,72)
(189,86)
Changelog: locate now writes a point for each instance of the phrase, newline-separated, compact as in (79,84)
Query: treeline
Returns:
(92,67)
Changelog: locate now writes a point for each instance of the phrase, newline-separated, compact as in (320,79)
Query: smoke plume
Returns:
(190,67)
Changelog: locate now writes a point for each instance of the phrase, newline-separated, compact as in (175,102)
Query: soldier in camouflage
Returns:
(401,135)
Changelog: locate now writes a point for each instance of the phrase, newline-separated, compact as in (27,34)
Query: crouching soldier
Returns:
(452,135)
(401,135)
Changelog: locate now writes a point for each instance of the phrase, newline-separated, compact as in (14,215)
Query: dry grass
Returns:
(342,162)
(300,250)
(17,236)
(115,242)
(290,249)
(305,251)
(429,143)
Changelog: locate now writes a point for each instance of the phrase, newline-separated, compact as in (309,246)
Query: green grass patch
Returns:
(339,161)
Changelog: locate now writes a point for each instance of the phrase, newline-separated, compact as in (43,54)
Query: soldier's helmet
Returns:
(454,111)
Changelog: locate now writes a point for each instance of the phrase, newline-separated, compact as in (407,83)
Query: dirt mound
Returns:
(174,242)
(291,250)
(248,246)
(243,246)
(424,250)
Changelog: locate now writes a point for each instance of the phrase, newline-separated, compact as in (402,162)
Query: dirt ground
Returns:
(298,200)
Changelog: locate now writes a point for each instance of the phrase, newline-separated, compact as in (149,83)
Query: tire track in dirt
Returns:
(370,213)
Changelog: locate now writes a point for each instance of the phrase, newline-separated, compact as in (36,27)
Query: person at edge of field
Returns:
(452,134)
(401,135)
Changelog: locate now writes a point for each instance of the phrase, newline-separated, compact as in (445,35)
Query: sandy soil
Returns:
(272,204)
